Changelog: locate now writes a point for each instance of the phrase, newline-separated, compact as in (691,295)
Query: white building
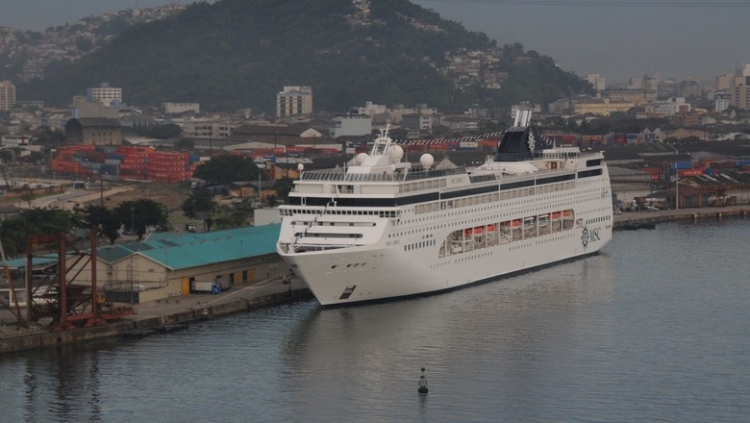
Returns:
(597,81)
(205,129)
(105,94)
(351,126)
(294,101)
(669,107)
(370,109)
(7,95)
(179,108)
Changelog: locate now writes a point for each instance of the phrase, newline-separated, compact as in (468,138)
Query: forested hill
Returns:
(240,53)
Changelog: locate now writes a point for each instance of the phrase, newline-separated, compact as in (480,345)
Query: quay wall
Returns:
(632,220)
(33,339)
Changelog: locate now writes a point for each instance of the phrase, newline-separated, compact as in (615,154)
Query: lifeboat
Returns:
(516,223)
(490,228)
(468,232)
(567,213)
(478,231)
(555,215)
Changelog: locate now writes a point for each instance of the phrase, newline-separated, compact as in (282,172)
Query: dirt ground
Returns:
(170,195)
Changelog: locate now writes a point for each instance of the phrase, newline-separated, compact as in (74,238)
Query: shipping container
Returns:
(689,172)
(682,165)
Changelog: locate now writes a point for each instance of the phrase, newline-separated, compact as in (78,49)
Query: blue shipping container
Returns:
(682,165)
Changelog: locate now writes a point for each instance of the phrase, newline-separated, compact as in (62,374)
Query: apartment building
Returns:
(597,81)
(741,88)
(294,101)
(7,95)
(105,94)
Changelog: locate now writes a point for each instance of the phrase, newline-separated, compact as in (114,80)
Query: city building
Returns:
(7,95)
(94,109)
(96,131)
(105,94)
(294,101)
(597,81)
(417,122)
(725,81)
(741,88)
(669,107)
(205,128)
(179,108)
(350,126)
(603,107)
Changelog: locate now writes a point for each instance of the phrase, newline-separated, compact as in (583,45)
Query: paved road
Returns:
(69,199)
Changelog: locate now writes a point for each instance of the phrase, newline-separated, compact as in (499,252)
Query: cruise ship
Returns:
(384,228)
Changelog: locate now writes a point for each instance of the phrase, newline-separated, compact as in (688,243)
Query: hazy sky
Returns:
(617,41)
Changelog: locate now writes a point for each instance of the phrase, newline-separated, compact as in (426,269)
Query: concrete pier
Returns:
(649,219)
(178,310)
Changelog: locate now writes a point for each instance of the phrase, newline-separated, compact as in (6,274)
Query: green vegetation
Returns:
(227,168)
(103,219)
(15,230)
(200,202)
(139,214)
(160,132)
(239,53)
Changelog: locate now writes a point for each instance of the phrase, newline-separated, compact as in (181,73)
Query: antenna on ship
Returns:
(422,384)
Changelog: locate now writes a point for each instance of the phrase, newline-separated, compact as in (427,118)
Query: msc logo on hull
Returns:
(589,235)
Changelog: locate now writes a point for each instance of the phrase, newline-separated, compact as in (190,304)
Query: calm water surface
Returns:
(656,328)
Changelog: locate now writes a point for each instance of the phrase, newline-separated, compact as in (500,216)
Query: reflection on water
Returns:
(654,328)
(468,340)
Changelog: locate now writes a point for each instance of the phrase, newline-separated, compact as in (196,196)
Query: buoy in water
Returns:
(422,384)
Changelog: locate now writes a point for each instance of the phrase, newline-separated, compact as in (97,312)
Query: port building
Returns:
(166,265)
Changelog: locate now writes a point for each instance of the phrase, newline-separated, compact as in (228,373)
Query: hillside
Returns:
(239,53)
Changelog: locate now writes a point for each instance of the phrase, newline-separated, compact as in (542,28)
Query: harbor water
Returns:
(655,328)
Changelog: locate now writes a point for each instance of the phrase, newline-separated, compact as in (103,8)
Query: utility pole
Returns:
(101,189)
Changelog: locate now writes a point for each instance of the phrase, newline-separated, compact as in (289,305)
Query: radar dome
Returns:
(361,157)
(427,160)
(300,167)
(396,153)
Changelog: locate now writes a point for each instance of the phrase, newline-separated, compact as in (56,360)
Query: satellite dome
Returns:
(361,157)
(396,153)
(300,167)
(427,160)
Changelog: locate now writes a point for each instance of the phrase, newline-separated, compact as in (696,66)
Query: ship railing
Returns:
(341,175)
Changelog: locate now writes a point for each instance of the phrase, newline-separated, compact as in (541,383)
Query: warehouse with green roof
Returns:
(166,265)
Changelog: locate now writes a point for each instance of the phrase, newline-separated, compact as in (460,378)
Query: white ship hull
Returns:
(391,273)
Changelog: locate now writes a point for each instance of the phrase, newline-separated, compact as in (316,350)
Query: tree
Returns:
(139,214)
(227,168)
(14,230)
(283,188)
(6,156)
(48,137)
(185,143)
(106,222)
(200,202)
(161,132)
